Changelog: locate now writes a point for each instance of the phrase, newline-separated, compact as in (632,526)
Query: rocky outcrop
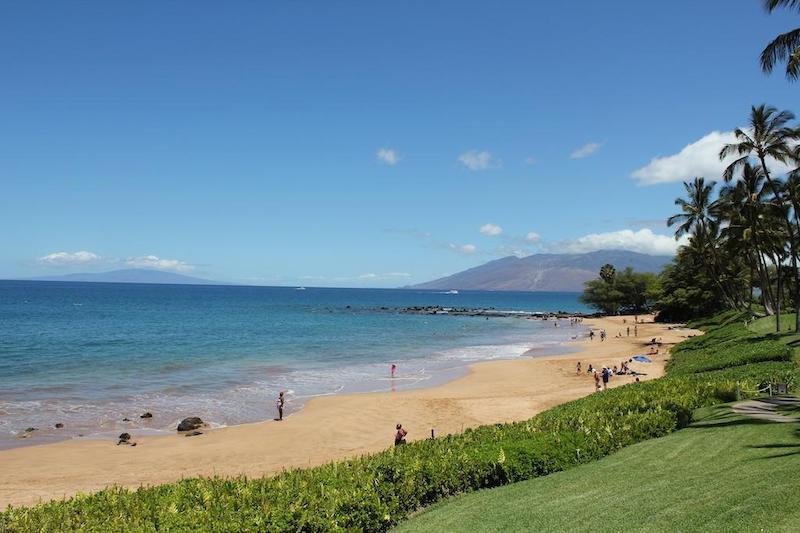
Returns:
(191,423)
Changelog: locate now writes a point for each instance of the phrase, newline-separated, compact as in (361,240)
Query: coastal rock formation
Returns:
(191,423)
(59,425)
(124,438)
(147,415)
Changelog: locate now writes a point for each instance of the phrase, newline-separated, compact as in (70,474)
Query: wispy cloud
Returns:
(475,160)
(465,249)
(586,150)
(388,156)
(157,263)
(491,230)
(70,258)
(533,237)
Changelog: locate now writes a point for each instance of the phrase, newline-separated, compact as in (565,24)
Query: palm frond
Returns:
(782,48)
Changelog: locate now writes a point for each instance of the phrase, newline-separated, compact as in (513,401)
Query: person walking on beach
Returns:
(279,405)
(591,335)
(578,371)
(400,436)
(629,331)
(596,381)
(394,370)
(606,375)
(635,331)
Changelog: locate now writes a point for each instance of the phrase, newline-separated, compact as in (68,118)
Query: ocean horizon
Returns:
(88,355)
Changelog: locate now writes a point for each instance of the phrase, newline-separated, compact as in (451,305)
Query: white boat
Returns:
(300,288)
(452,291)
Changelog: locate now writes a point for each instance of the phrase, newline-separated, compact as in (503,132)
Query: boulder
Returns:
(147,415)
(30,430)
(126,419)
(124,438)
(59,425)
(191,423)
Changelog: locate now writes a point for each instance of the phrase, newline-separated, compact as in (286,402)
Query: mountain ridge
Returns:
(544,272)
(131,275)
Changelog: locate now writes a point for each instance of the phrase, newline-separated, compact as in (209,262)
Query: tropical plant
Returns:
(785,47)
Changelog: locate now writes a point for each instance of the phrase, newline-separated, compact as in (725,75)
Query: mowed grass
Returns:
(723,473)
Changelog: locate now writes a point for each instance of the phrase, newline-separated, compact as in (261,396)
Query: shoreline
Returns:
(330,427)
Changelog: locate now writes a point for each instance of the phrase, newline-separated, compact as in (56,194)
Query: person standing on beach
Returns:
(400,436)
(635,331)
(578,371)
(606,375)
(279,405)
(394,370)
(629,331)
(596,381)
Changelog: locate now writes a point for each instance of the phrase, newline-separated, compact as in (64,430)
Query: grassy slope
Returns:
(723,473)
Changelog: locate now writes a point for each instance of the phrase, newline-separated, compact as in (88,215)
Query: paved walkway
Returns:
(767,408)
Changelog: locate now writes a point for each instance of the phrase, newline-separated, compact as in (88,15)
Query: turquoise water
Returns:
(89,354)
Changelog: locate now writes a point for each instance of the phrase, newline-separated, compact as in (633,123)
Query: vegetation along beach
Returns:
(416,267)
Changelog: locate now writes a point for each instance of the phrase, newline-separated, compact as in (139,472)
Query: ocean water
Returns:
(90,354)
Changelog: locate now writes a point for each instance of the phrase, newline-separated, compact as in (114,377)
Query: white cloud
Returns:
(700,158)
(491,230)
(585,151)
(388,156)
(475,160)
(465,249)
(152,261)
(388,275)
(642,241)
(70,258)
(533,237)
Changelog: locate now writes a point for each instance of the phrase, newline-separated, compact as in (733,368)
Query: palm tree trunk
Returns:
(792,242)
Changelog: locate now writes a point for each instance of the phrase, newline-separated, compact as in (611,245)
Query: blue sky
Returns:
(360,143)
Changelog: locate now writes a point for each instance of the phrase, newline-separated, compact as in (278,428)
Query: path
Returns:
(767,408)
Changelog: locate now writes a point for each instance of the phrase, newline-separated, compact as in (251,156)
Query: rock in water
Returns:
(30,430)
(124,438)
(126,419)
(59,425)
(188,424)
(147,415)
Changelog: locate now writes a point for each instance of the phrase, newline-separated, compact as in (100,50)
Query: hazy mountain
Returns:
(544,272)
(132,275)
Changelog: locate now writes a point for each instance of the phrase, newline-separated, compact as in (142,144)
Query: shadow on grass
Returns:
(722,416)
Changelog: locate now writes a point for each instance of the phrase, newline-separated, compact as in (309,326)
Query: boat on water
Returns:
(300,288)
(452,291)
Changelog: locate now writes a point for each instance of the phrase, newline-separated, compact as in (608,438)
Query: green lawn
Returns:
(723,473)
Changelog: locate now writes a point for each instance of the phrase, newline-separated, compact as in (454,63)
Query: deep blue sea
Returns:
(90,354)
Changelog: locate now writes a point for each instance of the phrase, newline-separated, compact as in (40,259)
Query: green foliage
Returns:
(621,292)
(725,474)
(374,492)
(687,291)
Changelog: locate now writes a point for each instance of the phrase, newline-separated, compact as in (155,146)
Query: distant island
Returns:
(544,272)
(132,275)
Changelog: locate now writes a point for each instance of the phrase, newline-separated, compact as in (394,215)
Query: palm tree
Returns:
(696,219)
(742,206)
(785,47)
(770,137)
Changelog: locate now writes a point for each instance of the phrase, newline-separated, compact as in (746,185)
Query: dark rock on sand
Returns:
(126,419)
(59,425)
(147,415)
(30,430)
(188,424)
(124,438)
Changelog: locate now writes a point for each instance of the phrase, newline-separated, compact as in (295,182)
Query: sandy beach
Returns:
(332,427)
